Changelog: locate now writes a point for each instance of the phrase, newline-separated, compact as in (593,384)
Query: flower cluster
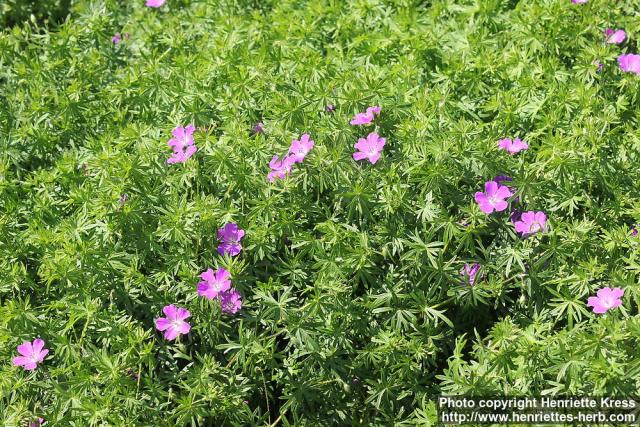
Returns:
(117,38)
(217,285)
(366,117)
(370,147)
(229,237)
(298,150)
(214,285)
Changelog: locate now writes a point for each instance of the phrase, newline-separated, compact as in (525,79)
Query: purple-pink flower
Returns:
(299,149)
(531,222)
(182,144)
(214,283)
(31,353)
(230,301)
(174,323)
(366,117)
(369,148)
(229,237)
(634,230)
(258,128)
(579,1)
(280,168)
(614,36)
(155,3)
(117,38)
(36,423)
(493,198)
(605,300)
(512,146)
(330,108)
(630,63)
(469,272)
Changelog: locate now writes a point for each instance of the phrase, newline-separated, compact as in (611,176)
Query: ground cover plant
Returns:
(311,213)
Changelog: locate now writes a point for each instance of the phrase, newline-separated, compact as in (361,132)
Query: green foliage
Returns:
(354,311)
(13,12)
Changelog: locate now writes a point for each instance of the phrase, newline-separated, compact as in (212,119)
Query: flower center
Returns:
(535,227)
(607,301)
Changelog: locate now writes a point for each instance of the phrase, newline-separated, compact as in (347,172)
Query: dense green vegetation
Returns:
(354,310)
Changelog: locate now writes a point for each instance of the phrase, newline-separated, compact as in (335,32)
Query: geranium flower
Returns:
(230,301)
(369,148)
(36,423)
(230,236)
(117,38)
(330,108)
(634,231)
(579,1)
(182,144)
(214,283)
(31,353)
(155,3)
(366,117)
(605,300)
(173,325)
(469,272)
(299,149)
(280,168)
(531,222)
(614,36)
(512,147)
(493,198)
(630,63)
(258,128)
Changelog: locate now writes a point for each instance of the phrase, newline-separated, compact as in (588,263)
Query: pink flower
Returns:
(214,283)
(606,299)
(531,222)
(36,423)
(469,272)
(366,117)
(512,147)
(173,325)
(182,144)
(630,63)
(155,3)
(230,236)
(116,38)
(32,353)
(230,301)
(280,168)
(614,36)
(634,231)
(493,198)
(369,148)
(579,1)
(299,149)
